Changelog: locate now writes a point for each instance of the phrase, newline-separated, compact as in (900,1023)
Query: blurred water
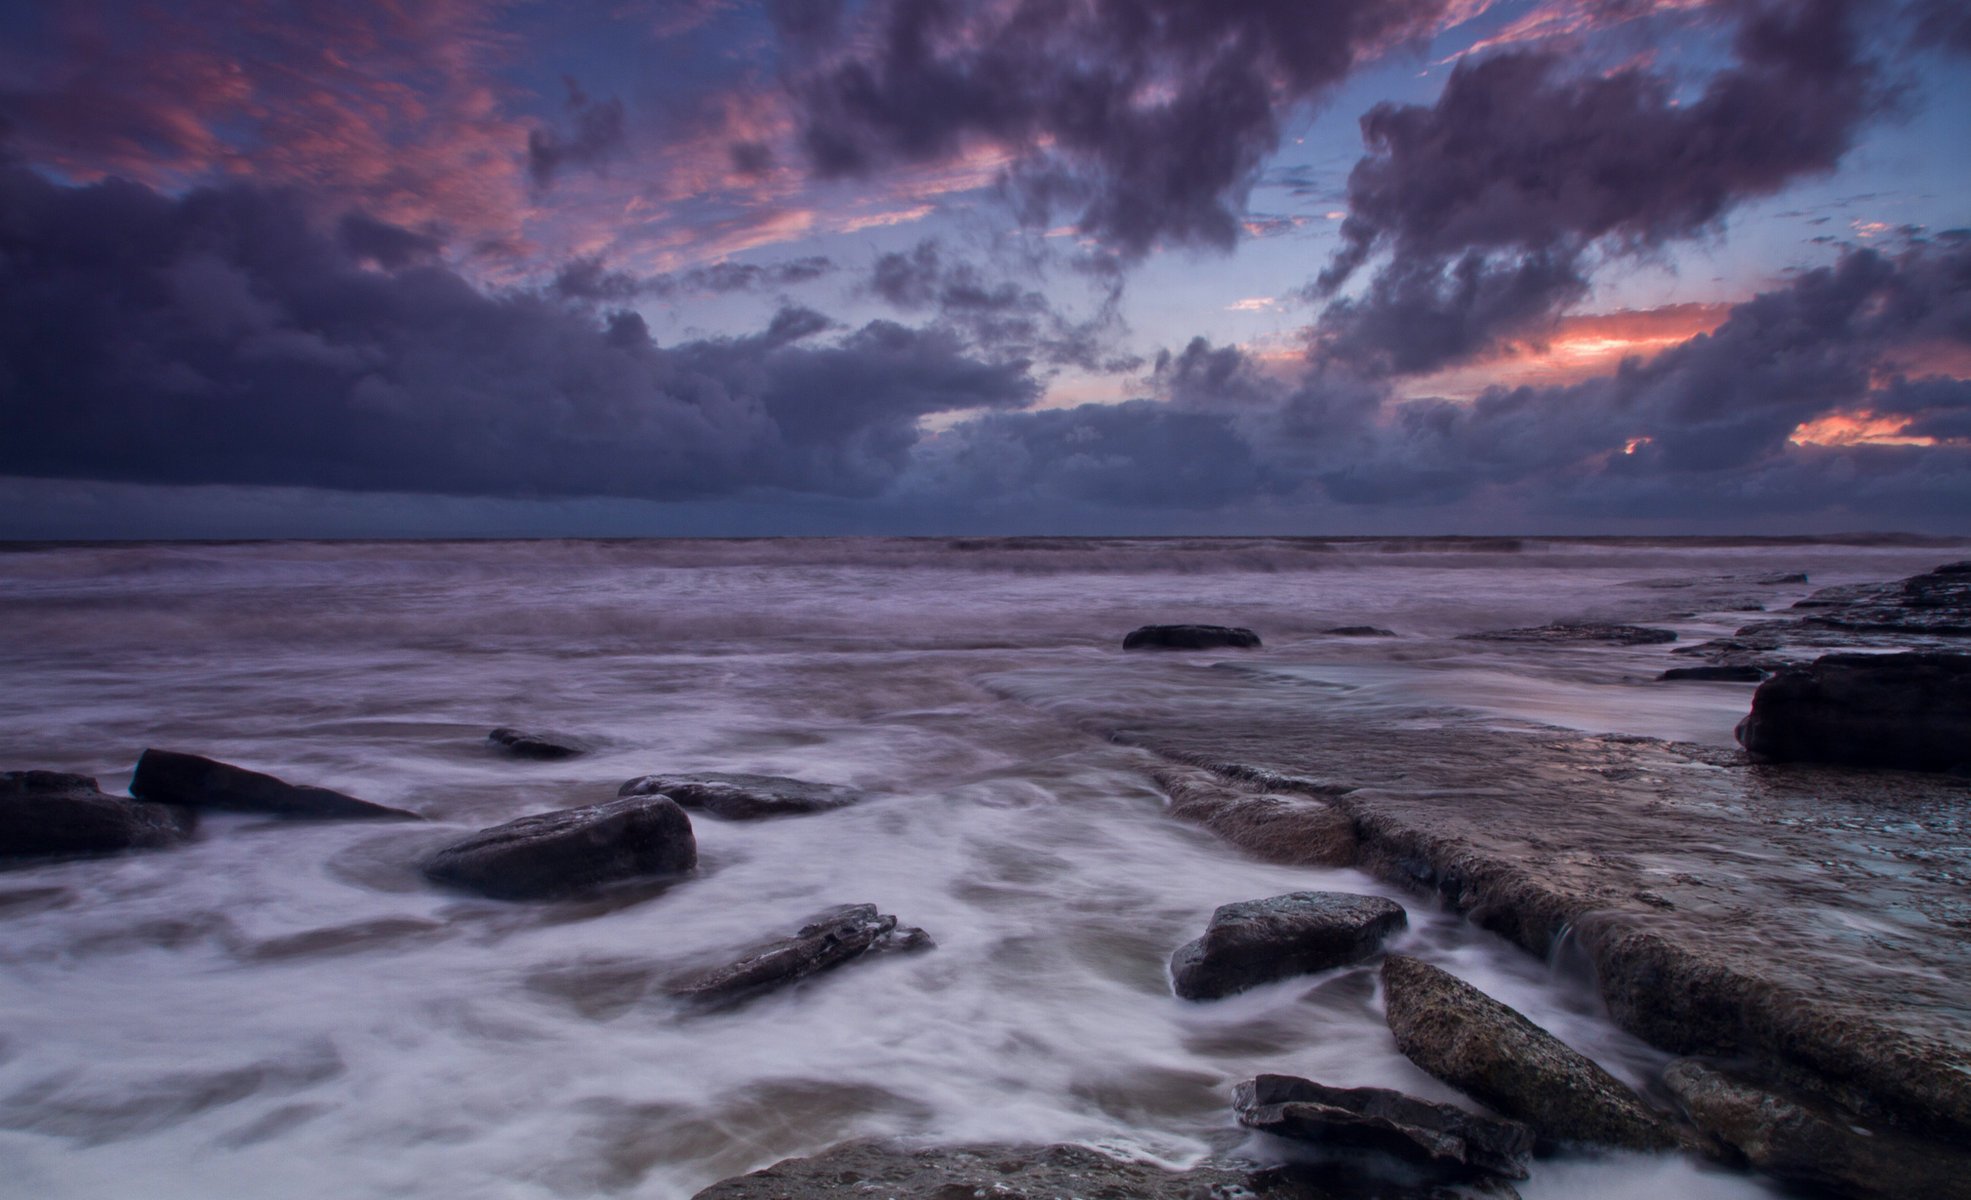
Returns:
(289,1010)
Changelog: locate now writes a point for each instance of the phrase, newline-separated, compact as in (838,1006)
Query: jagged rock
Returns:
(1813,1146)
(739,797)
(1935,603)
(1482,1047)
(536,745)
(1258,941)
(1884,710)
(1190,637)
(829,940)
(50,813)
(167,777)
(1359,631)
(1580,631)
(1720,674)
(1380,1119)
(574,850)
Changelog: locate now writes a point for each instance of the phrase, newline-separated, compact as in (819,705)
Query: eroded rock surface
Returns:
(1580,631)
(168,777)
(1380,1119)
(1492,1053)
(1258,941)
(1744,673)
(735,796)
(574,850)
(1190,637)
(545,746)
(52,813)
(1284,827)
(1884,710)
(829,940)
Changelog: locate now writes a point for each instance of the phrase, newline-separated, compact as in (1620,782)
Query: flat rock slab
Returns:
(1745,673)
(168,777)
(829,940)
(1190,637)
(1882,710)
(1373,1118)
(1813,1146)
(546,746)
(1258,941)
(1282,827)
(733,796)
(574,850)
(1580,631)
(50,813)
(1492,1053)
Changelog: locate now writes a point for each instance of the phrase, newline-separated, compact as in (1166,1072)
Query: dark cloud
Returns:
(596,137)
(589,279)
(995,314)
(219,338)
(1146,119)
(388,246)
(1494,203)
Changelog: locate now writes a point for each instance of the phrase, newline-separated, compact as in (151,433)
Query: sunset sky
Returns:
(979,266)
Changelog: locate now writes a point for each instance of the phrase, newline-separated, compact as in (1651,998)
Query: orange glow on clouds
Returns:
(1581,347)
(1858,428)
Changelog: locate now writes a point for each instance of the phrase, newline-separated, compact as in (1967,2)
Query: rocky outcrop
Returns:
(49,813)
(168,777)
(1580,631)
(1881,710)
(1190,637)
(1937,602)
(1742,673)
(1258,941)
(564,853)
(1487,1050)
(1812,1146)
(1380,1119)
(1282,827)
(546,746)
(829,940)
(734,796)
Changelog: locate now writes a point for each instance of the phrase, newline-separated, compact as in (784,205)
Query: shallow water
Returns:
(290,1010)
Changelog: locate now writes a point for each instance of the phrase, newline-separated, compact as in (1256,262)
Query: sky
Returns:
(382,268)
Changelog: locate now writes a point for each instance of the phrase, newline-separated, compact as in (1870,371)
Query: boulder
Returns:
(1482,1047)
(1580,631)
(1258,941)
(521,744)
(1375,1118)
(50,813)
(828,940)
(1880,710)
(1812,1146)
(167,777)
(1190,637)
(570,851)
(1359,631)
(739,797)
(1726,673)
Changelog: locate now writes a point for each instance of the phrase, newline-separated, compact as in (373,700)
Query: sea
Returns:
(288,1009)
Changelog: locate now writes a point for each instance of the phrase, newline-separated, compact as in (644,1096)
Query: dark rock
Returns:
(739,797)
(1482,1047)
(167,777)
(829,940)
(1190,637)
(1258,941)
(1282,827)
(1380,1119)
(1580,631)
(1936,603)
(1725,673)
(536,745)
(1359,631)
(576,849)
(1879,710)
(1812,1145)
(1782,578)
(48,813)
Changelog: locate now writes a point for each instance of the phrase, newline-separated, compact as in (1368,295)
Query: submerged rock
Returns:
(574,850)
(50,813)
(1882,710)
(1813,1146)
(1258,941)
(168,777)
(536,745)
(1359,631)
(1380,1119)
(1580,631)
(739,797)
(1742,673)
(1190,637)
(829,940)
(1482,1047)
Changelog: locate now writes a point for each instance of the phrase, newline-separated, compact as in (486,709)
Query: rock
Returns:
(1580,631)
(1880,710)
(576,849)
(1190,637)
(536,745)
(1258,941)
(1282,827)
(1480,1046)
(1936,603)
(1359,631)
(829,940)
(167,777)
(1721,674)
(49,813)
(739,797)
(1380,1119)
(1811,1145)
